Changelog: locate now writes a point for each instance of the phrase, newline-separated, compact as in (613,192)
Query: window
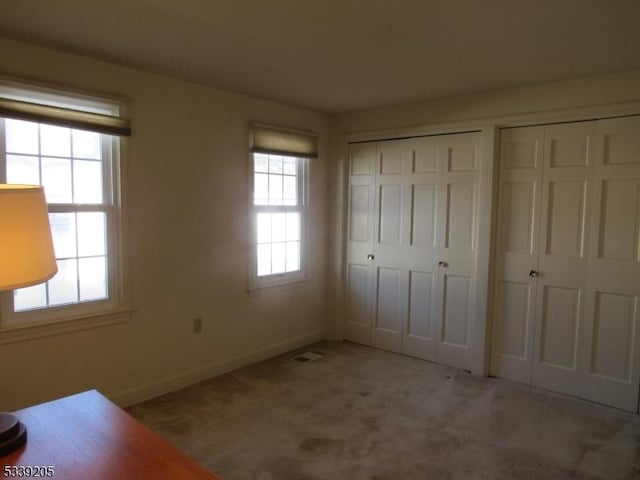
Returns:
(277,198)
(279,201)
(73,155)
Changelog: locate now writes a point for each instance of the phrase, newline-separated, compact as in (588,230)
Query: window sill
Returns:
(20,333)
(277,285)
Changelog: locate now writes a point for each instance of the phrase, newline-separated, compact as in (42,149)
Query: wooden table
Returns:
(85,436)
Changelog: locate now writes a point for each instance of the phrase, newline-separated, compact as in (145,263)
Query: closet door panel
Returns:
(521,152)
(394,161)
(424,185)
(457,252)
(561,281)
(360,236)
(611,344)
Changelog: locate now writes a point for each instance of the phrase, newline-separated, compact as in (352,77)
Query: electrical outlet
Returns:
(197,325)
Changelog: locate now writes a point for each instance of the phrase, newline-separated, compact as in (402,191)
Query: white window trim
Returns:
(19,326)
(279,280)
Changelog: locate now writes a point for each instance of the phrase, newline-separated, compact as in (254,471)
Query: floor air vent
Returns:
(307,357)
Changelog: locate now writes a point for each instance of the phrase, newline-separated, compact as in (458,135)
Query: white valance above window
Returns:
(281,141)
(64,117)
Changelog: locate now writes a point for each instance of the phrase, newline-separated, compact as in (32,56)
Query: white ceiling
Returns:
(341,55)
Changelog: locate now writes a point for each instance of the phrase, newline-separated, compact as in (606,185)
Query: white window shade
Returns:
(280,141)
(66,117)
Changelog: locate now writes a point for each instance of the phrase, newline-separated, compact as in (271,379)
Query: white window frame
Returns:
(116,307)
(256,283)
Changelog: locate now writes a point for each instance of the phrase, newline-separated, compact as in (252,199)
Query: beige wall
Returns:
(188,168)
(547,97)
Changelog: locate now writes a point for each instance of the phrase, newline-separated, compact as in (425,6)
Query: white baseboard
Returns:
(176,382)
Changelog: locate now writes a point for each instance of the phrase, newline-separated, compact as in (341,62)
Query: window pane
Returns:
(275,164)
(293,226)
(86,144)
(290,190)
(91,234)
(278,227)
(264,260)
(290,166)
(63,229)
(63,287)
(22,137)
(278,256)
(23,170)
(278,234)
(264,228)
(55,141)
(275,189)
(56,179)
(293,256)
(87,181)
(30,297)
(261,162)
(261,189)
(93,278)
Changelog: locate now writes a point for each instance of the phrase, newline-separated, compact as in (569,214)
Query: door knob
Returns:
(443,264)
(370,256)
(533,273)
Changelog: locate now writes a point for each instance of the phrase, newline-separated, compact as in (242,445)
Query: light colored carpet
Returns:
(360,413)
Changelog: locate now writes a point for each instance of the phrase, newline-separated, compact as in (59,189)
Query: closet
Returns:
(567,260)
(412,245)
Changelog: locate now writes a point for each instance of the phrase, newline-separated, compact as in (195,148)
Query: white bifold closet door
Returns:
(411,246)
(568,260)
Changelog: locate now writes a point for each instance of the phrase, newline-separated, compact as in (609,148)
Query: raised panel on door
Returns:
(423,215)
(360,201)
(391,155)
(559,320)
(358,301)
(390,214)
(619,236)
(462,152)
(453,347)
(360,238)
(461,209)
(521,153)
(612,367)
(558,334)
(512,331)
(611,341)
(516,216)
(418,338)
(426,153)
(612,344)
(565,218)
(388,310)
(361,159)
(555,364)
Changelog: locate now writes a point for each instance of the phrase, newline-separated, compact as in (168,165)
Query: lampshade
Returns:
(26,247)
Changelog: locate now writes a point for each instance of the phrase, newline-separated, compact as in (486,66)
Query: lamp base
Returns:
(13,434)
